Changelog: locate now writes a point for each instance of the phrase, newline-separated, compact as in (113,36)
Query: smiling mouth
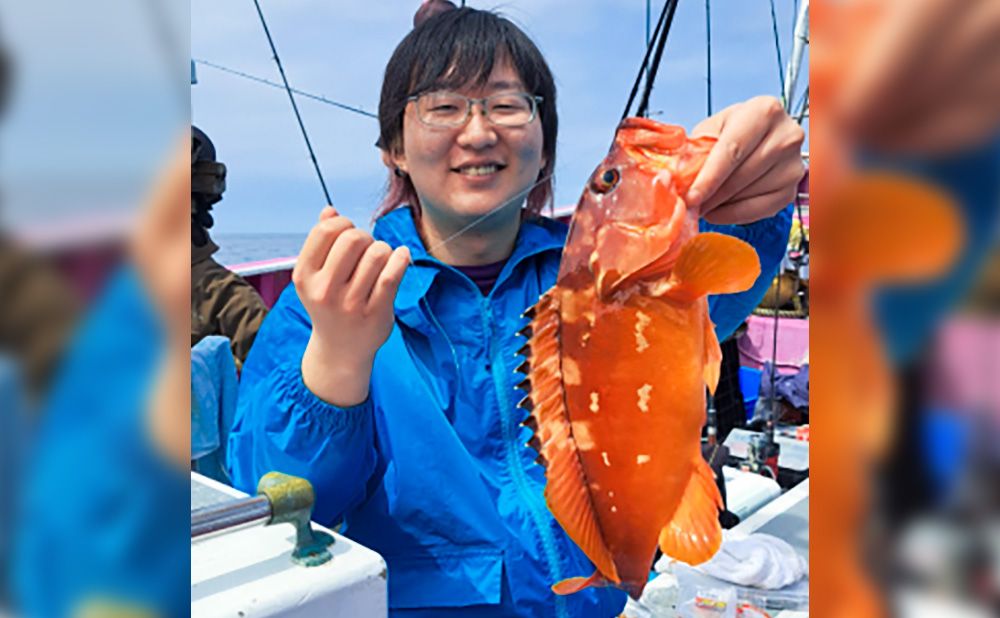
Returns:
(480,170)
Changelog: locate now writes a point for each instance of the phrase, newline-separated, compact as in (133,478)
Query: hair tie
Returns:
(430,8)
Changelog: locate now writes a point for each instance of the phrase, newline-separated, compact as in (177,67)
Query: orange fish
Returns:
(621,350)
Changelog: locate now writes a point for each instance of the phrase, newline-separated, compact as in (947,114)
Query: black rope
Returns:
(266,82)
(708,53)
(291,98)
(648,89)
(645,60)
(803,106)
(777,48)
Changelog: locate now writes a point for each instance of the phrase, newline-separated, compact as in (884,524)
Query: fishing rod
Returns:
(291,97)
(660,37)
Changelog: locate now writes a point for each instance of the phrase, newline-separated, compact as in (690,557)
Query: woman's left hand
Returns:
(753,171)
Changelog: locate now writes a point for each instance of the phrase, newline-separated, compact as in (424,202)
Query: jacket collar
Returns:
(202,253)
(398,228)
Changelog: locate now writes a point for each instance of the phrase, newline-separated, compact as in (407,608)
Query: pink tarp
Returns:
(756,344)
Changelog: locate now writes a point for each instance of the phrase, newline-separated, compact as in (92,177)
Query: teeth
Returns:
(481,170)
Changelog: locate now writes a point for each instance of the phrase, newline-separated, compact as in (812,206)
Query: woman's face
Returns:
(465,172)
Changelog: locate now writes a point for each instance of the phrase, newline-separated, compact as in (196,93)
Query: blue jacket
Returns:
(432,470)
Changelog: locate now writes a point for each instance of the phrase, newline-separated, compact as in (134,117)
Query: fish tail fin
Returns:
(693,534)
(576,584)
(713,263)
(888,227)
(713,355)
(566,491)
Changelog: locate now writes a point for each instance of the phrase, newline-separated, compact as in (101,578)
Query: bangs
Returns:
(461,49)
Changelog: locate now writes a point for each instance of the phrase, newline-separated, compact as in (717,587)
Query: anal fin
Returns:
(693,534)
(576,584)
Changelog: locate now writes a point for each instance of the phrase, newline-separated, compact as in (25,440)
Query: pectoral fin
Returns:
(713,263)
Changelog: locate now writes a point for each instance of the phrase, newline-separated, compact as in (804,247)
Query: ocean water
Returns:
(239,248)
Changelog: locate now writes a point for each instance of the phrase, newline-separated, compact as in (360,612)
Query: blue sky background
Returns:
(338,49)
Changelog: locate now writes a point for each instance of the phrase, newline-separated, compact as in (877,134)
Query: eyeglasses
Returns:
(449,109)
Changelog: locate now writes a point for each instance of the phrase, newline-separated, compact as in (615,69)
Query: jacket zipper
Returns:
(538,511)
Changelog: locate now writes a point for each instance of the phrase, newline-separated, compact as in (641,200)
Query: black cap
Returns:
(202,148)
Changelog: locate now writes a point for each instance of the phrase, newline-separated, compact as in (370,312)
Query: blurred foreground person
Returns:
(222,302)
(906,162)
(103,527)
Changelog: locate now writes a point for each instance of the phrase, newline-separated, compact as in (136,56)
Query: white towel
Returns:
(758,560)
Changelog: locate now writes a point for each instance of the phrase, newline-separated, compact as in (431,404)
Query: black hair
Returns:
(456,48)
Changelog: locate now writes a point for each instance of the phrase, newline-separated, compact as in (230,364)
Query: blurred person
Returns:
(908,88)
(222,302)
(37,314)
(103,524)
(385,373)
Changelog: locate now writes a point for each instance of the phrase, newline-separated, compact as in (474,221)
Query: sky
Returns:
(98,97)
(338,49)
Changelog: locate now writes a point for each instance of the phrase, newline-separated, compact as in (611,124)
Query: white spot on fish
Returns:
(594,407)
(611,494)
(595,487)
(641,322)
(584,338)
(614,509)
(644,397)
(604,456)
(581,433)
(641,459)
(571,372)
(589,316)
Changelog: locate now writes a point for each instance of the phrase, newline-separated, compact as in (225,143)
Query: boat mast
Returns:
(799,42)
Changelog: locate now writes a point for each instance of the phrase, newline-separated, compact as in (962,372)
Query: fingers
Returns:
(785,175)
(891,45)
(321,238)
(385,288)
(742,129)
(345,254)
(369,267)
(750,209)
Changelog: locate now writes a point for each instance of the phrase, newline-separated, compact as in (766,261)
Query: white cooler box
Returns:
(249,572)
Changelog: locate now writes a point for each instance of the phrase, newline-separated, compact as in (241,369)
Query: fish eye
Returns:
(606,181)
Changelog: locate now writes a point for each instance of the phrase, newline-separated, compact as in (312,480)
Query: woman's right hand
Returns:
(347,282)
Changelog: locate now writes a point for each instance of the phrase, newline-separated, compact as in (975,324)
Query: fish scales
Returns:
(620,352)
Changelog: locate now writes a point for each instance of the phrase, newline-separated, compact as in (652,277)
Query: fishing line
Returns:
(168,43)
(482,218)
(266,82)
(291,98)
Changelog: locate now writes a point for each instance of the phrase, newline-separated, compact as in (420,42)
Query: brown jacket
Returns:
(223,303)
(38,311)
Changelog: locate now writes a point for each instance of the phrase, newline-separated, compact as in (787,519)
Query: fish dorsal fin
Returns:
(712,263)
(566,489)
(693,534)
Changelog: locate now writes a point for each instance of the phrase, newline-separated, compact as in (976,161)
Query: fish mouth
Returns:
(650,142)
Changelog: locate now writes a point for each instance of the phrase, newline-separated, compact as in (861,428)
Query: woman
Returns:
(391,387)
